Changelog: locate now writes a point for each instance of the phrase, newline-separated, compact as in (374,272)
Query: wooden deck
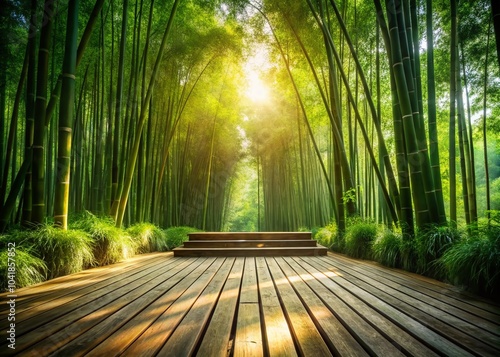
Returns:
(158,304)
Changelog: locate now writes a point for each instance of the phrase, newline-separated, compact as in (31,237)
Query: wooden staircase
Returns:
(249,244)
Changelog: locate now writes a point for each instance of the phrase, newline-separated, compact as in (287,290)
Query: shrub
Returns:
(474,263)
(64,251)
(178,235)
(359,238)
(111,244)
(431,244)
(29,269)
(327,237)
(387,249)
(148,237)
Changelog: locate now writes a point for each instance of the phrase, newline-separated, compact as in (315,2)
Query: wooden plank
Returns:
(414,327)
(480,318)
(459,331)
(152,339)
(309,340)
(48,322)
(250,252)
(254,243)
(428,286)
(248,235)
(338,338)
(357,312)
(119,339)
(34,295)
(79,336)
(216,340)
(184,339)
(248,339)
(278,339)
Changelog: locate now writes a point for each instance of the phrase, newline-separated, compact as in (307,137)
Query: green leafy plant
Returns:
(474,263)
(111,244)
(431,244)
(29,269)
(178,235)
(387,249)
(64,251)
(359,238)
(149,238)
(327,237)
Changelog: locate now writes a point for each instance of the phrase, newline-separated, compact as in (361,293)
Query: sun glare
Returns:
(255,66)
(257,90)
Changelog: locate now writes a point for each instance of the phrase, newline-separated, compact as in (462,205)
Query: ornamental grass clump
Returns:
(431,244)
(64,251)
(148,237)
(474,263)
(387,249)
(327,237)
(111,244)
(359,238)
(28,268)
(178,235)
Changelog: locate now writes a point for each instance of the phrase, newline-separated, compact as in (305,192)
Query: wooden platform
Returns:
(249,244)
(158,304)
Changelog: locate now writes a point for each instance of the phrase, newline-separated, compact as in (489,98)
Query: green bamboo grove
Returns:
(250,115)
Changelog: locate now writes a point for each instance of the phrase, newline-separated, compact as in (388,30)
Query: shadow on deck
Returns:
(158,304)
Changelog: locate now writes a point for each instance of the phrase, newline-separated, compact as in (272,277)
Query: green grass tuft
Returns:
(178,235)
(474,263)
(387,249)
(111,244)
(28,268)
(149,238)
(359,238)
(431,244)
(64,252)
(327,237)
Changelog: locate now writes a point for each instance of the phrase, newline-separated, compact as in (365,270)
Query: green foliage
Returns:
(474,263)
(111,244)
(387,249)
(359,238)
(64,252)
(431,244)
(148,237)
(328,237)
(29,269)
(178,235)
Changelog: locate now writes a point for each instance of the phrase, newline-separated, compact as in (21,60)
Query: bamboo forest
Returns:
(375,125)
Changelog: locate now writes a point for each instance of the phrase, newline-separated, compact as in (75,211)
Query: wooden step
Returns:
(249,235)
(250,252)
(249,244)
(253,243)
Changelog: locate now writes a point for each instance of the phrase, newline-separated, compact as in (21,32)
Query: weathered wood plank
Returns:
(455,329)
(216,339)
(414,327)
(157,334)
(334,333)
(278,339)
(248,338)
(310,341)
(49,323)
(184,339)
(79,337)
(54,289)
(118,340)
(435,288)
(345,302)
